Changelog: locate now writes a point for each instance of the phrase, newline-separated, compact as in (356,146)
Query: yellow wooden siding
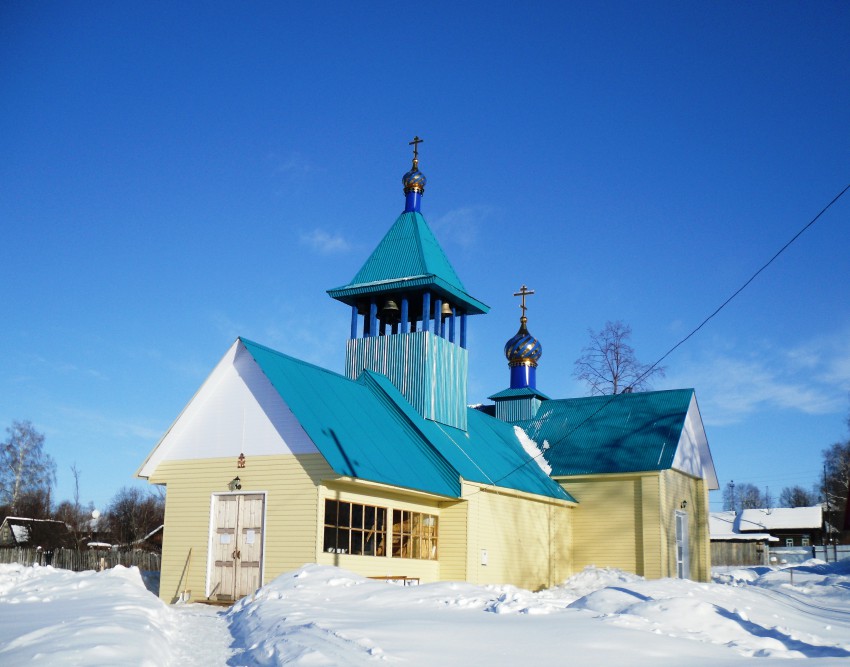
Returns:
(650,511)
(527,541)
(454,531)
(616,523)
(291,486)
(678,487)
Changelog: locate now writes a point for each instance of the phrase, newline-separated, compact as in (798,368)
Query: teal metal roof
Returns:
(497,457)
(366,429)
(354,426)
(521,392)
(408,257)
(609,434)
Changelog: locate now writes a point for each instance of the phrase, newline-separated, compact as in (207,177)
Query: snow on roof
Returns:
(781,518)
(721,526)
(21,533)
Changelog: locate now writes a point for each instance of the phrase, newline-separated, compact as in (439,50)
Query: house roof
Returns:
(47,533)
(722,526)
(611,434)
(365,428)
(781,518)
(408,258)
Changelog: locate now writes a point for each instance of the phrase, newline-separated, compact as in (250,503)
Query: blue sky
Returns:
(172,177)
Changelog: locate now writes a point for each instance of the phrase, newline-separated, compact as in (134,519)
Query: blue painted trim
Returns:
(412,202)
(452,325)
(373,318)
(354,321)
(438,315)
(463,330)
(404,316)
(426,311)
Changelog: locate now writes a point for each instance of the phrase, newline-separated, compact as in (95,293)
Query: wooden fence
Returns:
(737,553)
(90,559)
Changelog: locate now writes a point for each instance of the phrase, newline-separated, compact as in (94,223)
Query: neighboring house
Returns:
(45,533)
(792,526)
(386,471)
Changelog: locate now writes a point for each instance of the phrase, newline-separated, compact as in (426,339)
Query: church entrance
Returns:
(236,548)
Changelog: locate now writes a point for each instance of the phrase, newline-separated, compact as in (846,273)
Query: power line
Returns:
(692,333)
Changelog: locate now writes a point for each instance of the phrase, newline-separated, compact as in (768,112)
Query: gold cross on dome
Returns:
(415,143)
(523,292)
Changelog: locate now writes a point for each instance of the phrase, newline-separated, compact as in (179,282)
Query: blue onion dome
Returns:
(523,348)
(414,180)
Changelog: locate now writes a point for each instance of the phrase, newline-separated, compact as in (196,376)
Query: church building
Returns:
(386,471)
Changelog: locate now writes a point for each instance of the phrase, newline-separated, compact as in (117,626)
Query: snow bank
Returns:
(322,615)
(57,617)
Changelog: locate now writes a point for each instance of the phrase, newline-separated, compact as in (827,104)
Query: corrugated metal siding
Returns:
(517,409)
(609,434)
(429,371)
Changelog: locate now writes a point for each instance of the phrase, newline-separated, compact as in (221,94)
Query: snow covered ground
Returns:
(321,615)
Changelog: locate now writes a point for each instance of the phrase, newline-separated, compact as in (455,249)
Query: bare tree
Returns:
(797,496)
(836,460)
(608,364)
(745,496)
(26,471)
(750,497)
(133,514)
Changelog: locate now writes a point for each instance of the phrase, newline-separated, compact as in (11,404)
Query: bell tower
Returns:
(409,313)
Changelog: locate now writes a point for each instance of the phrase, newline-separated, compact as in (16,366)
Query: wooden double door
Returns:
(237,545)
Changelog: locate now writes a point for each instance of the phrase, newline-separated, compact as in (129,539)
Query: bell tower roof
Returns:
(409,258)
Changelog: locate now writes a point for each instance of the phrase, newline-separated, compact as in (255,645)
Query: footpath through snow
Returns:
(322,615)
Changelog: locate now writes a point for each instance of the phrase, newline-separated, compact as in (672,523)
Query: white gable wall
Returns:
(692,454)
(237,410)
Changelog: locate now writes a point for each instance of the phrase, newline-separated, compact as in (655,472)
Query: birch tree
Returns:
(25,468)
(608,364)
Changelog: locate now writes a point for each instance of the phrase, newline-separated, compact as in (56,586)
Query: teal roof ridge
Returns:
(291,359)
(520,392)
